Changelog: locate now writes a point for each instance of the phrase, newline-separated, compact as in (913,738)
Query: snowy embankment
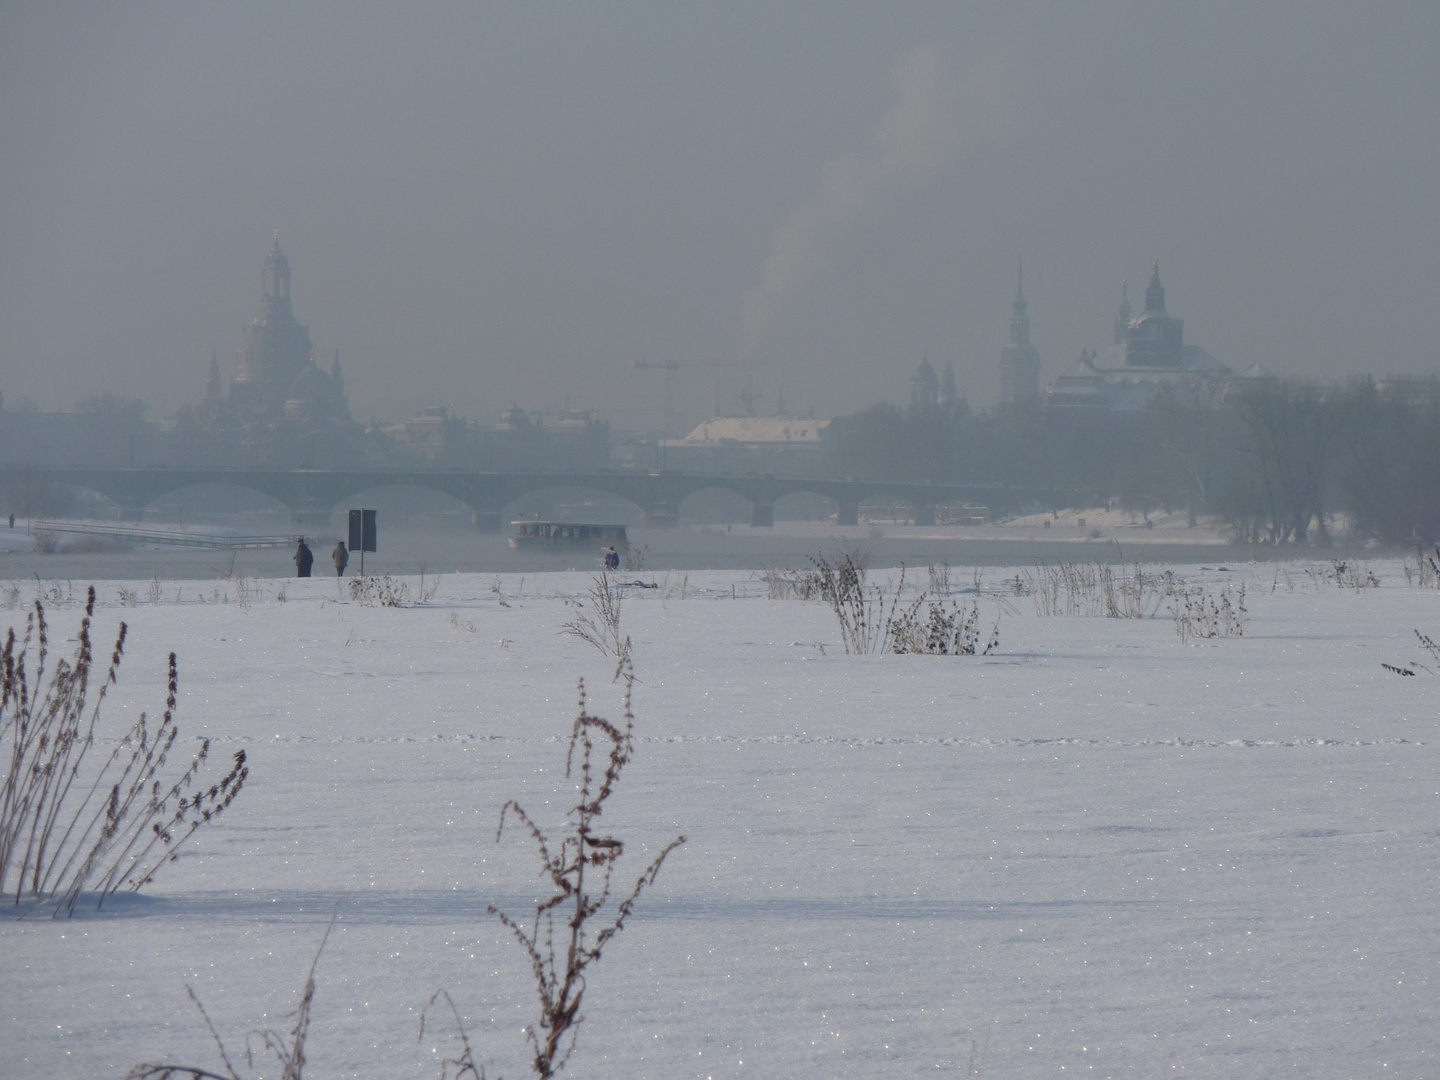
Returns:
(1101,849)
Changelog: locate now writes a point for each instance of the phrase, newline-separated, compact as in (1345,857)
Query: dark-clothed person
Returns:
(304,559)
(340,557)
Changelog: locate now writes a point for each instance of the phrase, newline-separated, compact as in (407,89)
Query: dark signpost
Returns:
(362,533)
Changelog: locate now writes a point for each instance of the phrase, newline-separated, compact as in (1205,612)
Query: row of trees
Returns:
(1280,461)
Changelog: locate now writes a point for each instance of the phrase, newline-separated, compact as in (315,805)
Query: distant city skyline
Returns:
(486,207)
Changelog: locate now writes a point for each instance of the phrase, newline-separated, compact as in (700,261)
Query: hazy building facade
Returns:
(1150,358)
(924,386)
(773,445)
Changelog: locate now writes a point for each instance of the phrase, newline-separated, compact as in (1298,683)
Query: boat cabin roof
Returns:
(599,528)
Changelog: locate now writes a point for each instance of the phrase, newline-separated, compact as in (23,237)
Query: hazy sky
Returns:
(487,203)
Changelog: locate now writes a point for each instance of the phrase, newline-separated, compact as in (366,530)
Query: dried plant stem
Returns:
(560,941)
(62,826)
(600,626)
(288,1048)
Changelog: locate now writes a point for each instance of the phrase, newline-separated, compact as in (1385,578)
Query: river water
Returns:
(405,550)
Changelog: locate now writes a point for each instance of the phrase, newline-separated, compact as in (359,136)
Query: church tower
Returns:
(924,387)
(1019,360)
(1122,320)
(275,281)
(949,396)
(1156,338)
(275,349)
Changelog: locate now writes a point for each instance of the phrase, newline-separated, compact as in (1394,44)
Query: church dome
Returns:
(1151,323)
(313,393)
(515,419)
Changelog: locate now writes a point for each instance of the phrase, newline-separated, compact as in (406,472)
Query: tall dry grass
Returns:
(68,824)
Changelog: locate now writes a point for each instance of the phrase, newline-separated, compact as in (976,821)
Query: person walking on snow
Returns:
(612,558)
(340,557)
(304,559)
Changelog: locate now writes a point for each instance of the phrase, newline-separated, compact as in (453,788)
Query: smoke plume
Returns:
(937,106)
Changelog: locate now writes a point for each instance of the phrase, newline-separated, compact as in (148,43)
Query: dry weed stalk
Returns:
(1352,575)
(860,612)
(789,584)
(680,589)
(1088,589)
(561,942)
(379,591)
(945,629)
(63,827)
(869,624)
(1424,571)
(1430,647)
(1204,615)
(637,559)
(940,579)
(600,626)
(383,590)
(452,1068)
(426,593)
(979,1051)
(288,1048)
(53,595)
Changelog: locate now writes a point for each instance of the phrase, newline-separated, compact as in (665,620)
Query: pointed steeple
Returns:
(1019,320)
(1155,292)
(1122,320)
(924,386)
(1156,339)
(1019,360)
(275,278)
(214,387)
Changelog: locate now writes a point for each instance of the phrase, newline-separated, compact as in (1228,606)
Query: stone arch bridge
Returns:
(312,494)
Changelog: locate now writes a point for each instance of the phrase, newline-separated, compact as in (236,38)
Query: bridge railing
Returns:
(136,534)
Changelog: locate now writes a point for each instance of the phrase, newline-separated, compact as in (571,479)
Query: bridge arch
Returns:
(805,504)
(188,502)
(715,504)
(409,500)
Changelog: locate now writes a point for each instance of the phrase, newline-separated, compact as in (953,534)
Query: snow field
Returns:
(1107,852)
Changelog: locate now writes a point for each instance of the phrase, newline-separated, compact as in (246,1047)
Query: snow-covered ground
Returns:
(1100,850)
